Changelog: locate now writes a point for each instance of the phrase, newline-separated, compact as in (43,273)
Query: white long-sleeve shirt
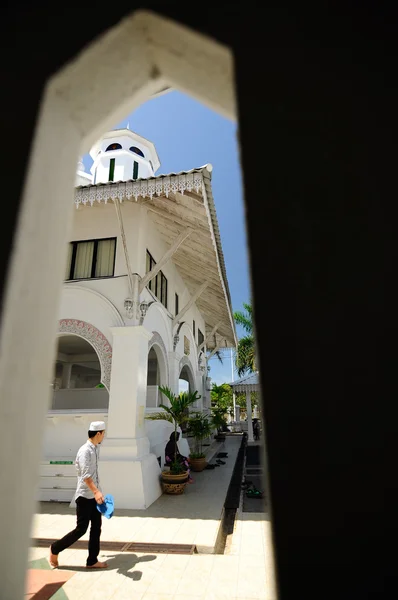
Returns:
(86,464)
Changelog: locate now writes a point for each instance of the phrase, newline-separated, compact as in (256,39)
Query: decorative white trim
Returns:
(250,387)
(185,362)
(156,340)
(144,188)
(97,340)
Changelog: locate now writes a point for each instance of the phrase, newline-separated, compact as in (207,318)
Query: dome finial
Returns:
(80,164)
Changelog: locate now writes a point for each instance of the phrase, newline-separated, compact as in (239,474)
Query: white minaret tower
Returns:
(82,178)
(122,155)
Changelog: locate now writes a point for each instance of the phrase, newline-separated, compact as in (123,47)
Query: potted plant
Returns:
(200,426)
(175,479)
(220,423)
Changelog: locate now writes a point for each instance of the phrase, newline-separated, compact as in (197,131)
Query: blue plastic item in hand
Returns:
(107,507)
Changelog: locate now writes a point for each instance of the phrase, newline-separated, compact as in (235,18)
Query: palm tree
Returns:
(200,427)
(245,358)
(177,412)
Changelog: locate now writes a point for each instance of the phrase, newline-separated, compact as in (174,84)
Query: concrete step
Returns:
(55,495)
(57,482)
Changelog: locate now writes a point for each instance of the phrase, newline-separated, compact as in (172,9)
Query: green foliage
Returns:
(196,455)
(241,399)
(176,468)
(218,418)
(245,319)
(177,412)
(222,398)
(200,427)
(245,357)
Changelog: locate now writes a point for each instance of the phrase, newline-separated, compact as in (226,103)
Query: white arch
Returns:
(185,362)
(157,320)
(186,329)
(96,339)
(77,108)
(157,343)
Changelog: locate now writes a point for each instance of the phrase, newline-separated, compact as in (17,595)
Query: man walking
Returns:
(88,495)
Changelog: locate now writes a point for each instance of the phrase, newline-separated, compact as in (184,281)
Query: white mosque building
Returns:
(145,302)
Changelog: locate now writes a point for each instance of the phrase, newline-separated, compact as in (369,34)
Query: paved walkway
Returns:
(245,571)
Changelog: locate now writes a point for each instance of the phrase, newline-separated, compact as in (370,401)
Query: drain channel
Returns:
(125,546)
(232,501)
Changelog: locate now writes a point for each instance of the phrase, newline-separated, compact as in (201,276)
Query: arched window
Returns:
(137,151)
(113,147)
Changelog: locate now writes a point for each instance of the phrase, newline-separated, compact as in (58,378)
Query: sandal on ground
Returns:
(209,466)
(53,560)
(246,484)
(221,462)
(254,493)
(98,565)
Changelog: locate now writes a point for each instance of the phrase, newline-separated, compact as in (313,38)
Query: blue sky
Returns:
(187,135)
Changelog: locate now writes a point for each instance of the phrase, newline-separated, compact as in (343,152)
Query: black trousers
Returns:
(86,512)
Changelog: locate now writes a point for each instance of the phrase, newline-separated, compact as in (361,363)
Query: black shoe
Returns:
(221,462)
(222,455)
(209,466)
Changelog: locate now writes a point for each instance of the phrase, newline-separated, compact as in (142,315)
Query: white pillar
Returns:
(174,374)
(174,371)
(66,374)
(127,469)
(200,388)
(249,417)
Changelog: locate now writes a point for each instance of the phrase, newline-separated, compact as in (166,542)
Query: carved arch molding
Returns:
(185,362)
(97,340)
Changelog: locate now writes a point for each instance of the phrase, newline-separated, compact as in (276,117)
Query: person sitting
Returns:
(172,454)
(256,429)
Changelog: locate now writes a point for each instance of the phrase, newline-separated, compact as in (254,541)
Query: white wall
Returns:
(81,399)
(124,159)
(124,166)
(83,178)
(100,221)
(82,303)
(152,396)
(66,431)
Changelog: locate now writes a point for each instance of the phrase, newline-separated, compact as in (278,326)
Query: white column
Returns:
(249,417)
(235,418)
(127,469)
(174,372)
(200,389)
(66,373)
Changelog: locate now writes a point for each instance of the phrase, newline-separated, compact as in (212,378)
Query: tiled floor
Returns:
(245,572)
(192,518)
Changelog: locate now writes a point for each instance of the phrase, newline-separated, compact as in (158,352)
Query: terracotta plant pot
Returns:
(197,464)
(174,484)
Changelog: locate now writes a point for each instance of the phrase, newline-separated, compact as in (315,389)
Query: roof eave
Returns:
(209,201)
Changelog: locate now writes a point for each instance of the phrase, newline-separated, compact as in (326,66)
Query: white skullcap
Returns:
(97,426)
